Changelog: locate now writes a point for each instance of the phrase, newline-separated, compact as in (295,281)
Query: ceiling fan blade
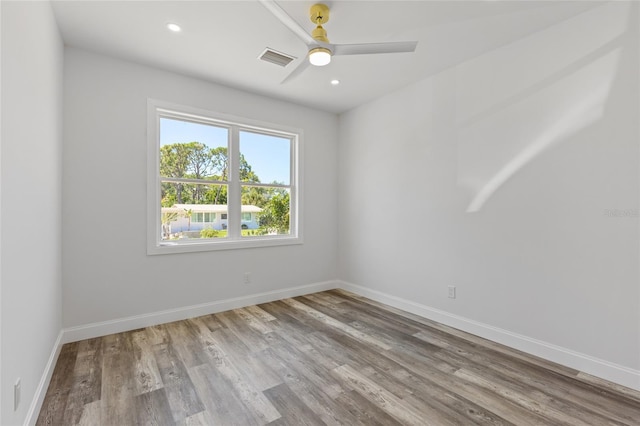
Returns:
(288,21)
(296,71)
(373,48)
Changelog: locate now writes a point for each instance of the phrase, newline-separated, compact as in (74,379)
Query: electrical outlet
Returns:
(16,394)
(247,278)
(452,292)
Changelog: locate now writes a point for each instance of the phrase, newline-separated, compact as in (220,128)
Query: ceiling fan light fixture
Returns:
(319,56)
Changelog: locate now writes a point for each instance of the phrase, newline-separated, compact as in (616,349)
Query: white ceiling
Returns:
(221,40)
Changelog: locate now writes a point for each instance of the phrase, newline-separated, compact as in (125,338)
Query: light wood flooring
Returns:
(327,358)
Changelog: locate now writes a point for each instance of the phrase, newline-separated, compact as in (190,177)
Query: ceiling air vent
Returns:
(276,57)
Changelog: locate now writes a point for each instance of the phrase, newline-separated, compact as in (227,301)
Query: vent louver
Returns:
(275,57)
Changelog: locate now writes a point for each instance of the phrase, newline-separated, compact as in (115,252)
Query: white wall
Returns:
(31,153)
(108,275)
(502,173)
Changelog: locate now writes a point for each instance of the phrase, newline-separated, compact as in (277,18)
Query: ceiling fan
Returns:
(320,50)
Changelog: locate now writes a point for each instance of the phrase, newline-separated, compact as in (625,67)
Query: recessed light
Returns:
(174,27)
(335,82)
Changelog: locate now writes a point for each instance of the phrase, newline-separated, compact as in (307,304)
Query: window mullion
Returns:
(293,191)
(234,198)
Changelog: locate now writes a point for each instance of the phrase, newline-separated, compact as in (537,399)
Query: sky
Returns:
(268,156)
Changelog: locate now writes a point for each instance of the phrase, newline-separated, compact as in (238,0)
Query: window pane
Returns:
(192,151)
(264,158)
(194,221)
(268,209)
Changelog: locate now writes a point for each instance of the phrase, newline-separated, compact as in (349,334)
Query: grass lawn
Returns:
(245,233)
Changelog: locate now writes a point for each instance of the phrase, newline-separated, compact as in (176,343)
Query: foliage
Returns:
(166,218)
(187,214)
(208,233)
(256,196)
(275,214)
(195,160)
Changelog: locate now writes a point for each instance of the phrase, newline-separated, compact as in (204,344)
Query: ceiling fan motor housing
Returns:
(320,34)
(319,14)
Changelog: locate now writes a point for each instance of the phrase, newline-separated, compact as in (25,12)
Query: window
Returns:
(220,182)
(203,217)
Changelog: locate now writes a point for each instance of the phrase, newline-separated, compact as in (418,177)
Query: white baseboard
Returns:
(615,373)
(41,390)
(89,331)
(600,368)
(74,334)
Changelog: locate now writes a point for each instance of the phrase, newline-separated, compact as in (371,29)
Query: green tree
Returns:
(246,173)
(200,166)
(174,162)
(188,214)
(194,160)
(254,195)
(275,214)
(220,158)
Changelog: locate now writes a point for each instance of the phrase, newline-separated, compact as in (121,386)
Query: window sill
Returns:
(191,247)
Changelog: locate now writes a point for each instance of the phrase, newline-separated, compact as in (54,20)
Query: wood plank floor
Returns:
(327,358)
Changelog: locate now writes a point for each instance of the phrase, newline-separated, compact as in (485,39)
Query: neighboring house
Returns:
(195,217)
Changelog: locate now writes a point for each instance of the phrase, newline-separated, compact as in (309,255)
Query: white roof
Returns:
(208,208)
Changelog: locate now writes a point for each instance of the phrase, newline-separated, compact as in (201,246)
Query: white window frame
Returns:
(234,240)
